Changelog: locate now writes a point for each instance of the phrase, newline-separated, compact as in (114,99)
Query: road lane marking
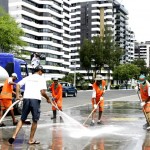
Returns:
(124,119)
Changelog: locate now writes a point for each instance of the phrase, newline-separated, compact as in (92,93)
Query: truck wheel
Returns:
(75,94)
(66,94)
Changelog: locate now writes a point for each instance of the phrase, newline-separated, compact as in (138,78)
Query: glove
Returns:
(53,98)
(136,88)
(95,106)
(101,98)
(142,104)
(104,92)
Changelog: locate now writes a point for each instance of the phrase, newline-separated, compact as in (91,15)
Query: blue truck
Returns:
(12,64)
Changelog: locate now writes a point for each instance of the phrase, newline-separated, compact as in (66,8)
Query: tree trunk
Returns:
(94,74)
(108,83)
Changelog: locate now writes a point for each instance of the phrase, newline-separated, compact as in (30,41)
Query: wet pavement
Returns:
(122,129)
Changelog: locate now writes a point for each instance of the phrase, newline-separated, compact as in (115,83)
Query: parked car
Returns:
(68,89)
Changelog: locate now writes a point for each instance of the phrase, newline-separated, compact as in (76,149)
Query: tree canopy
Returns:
(142,65)
(126,71)
(70,78)
(85,54)
(102,50)
(10,34)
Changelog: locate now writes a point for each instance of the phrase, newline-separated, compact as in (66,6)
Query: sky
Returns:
(139,18)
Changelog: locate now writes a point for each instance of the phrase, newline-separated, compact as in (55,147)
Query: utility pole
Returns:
(74,74)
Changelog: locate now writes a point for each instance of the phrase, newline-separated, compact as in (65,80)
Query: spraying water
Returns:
(77,130)
(93,132)
(69,120)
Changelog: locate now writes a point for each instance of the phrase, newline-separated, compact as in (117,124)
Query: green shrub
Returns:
(85,86)
(117,87)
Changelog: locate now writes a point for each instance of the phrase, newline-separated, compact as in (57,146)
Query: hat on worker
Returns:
(142,78)
(98,78)
(14,75)
(55,79)
(38,68)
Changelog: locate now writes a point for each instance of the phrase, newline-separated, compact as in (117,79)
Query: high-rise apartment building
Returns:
(46,24)
(142,51)
(88,18)
(56,29)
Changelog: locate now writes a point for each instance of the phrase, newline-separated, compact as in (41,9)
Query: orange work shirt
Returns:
(7,90)
(99,90)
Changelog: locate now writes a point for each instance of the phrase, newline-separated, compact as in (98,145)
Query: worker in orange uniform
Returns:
(97,98)
(6,96)
(56,89)
(144,87)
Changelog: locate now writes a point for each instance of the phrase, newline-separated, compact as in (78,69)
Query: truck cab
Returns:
(8,65)
(12,64)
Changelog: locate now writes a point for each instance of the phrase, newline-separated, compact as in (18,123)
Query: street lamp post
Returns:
(74,74)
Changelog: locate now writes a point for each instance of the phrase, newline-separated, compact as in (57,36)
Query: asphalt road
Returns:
(122,130)
(84,98)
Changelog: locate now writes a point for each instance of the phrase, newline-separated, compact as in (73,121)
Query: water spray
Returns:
(66,116)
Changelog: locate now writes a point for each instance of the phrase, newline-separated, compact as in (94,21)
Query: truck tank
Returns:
(3,76)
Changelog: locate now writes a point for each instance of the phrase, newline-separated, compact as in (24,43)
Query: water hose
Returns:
(8,110)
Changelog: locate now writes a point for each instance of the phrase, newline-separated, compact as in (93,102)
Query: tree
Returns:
(10,34)
(97,54)
(112,52)
(70,78)
(102,50)
(85,53)
(142,65)
(124,72)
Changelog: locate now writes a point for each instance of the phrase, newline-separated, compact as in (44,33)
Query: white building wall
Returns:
(142,51)
(47,30)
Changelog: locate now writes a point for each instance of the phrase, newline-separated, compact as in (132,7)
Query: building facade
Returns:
(47,31)
(55,29)
(88,18)
(142,51)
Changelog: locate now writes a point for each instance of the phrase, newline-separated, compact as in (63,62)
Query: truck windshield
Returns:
(24,71)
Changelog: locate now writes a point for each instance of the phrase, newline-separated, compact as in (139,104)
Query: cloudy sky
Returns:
(139,18)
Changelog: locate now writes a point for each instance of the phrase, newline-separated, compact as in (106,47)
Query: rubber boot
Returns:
(54,114)
(99,115)
(146,125)
(99,118)
(61,120)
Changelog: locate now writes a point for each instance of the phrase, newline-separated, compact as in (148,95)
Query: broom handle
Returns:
(91,113)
